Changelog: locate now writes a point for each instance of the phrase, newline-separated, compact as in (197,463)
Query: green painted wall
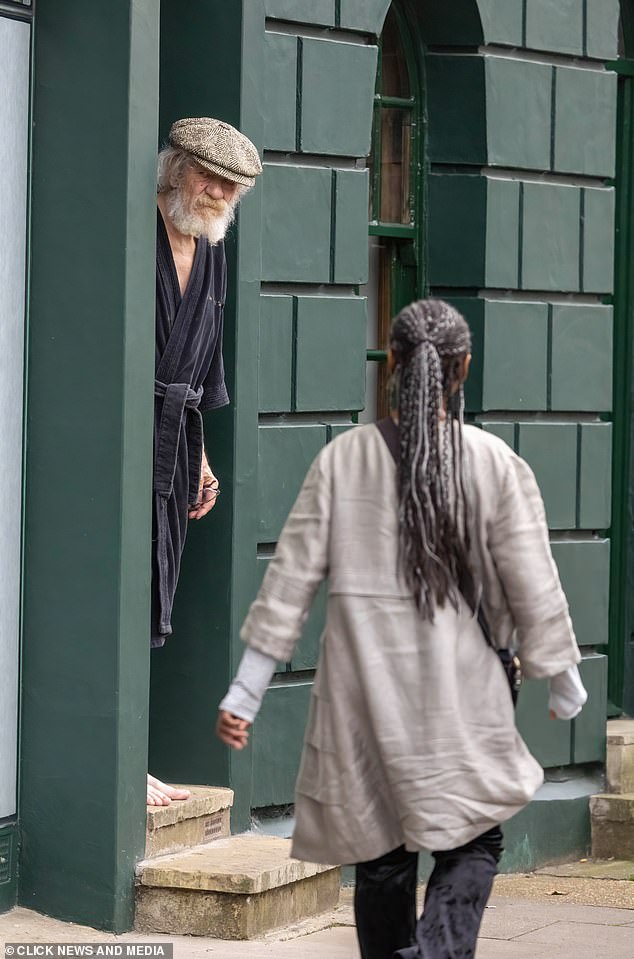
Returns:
(89,454)
(311,369)
(526,185)
(519,234)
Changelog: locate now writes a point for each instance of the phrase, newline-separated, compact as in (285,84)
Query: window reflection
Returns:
(395,165)
(394,76)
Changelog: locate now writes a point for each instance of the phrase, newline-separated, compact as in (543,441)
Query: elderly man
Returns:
(202,174)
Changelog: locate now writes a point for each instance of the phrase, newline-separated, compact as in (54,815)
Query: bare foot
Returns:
(160,794)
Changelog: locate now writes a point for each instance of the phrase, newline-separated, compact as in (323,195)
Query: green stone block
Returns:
(296,207)
(595,476)
(279,96)
(555,25)
(366,16)
(337,97)
(351,226)
(598,241)
(550,449)
(275,364)
(550,230)
(456,101)
(518,95)
(585,121)
(276,743)
(584,568)
(502,21)
(502,233)
(602,28)
(450,24)
(472,308)
(589,726)
(457,218)
(284,457)
(515,356)
(302,11)
(337,429)
(504,431)
(581,371)
(331,335)
(549,741)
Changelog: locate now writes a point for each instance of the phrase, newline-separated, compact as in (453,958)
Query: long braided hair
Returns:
(429,341)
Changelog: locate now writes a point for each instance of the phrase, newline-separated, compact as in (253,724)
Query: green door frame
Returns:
(621,653)
(90,362)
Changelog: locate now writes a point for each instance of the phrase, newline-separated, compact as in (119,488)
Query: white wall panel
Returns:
(14,117)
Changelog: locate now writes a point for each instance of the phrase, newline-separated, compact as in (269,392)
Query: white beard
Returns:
(209,223)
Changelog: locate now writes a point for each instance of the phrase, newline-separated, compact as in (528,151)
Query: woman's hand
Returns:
(232,730)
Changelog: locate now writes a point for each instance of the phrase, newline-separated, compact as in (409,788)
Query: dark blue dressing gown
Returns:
(189,380)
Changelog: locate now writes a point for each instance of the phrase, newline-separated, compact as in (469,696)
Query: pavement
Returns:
(577,911)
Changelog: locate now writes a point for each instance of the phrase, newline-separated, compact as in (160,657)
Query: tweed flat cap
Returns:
(218,147)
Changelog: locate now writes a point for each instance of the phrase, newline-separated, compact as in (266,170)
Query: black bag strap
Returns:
(389,431)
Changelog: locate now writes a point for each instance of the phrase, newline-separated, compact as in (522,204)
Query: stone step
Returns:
(235,888)
(188,822)
(612,816)
(620,756)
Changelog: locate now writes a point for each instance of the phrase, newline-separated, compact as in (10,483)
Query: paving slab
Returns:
(604,942)
(589,892)
(620,869)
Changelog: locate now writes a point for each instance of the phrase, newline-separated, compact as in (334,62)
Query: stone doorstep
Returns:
(612,818)
(621,732)
(203,817)
(246,865)
(613,807)
(225,915)
(235,888)
(620,769)
(620,756)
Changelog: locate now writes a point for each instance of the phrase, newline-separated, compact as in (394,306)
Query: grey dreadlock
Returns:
(429,340)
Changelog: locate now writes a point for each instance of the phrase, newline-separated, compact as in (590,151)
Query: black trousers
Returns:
(457,892)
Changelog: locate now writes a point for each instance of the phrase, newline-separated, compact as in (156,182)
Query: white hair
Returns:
(171,168)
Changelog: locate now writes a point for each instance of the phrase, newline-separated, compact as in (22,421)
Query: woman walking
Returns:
(426,530)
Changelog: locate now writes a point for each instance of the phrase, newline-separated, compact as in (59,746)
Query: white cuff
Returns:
(250,684)
(567,694)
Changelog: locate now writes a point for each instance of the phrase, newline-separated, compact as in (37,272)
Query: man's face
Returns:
(204,204)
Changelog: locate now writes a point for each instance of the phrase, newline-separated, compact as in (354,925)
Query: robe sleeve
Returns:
(520,547)
(214,390)
(276,617)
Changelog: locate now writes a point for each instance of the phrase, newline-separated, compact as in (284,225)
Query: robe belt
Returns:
(178,398)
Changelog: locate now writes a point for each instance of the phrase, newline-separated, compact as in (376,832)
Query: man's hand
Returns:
(232,730)
(208,491)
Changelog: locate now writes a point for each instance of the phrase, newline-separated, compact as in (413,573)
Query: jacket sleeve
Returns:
(276,617)
(520,547)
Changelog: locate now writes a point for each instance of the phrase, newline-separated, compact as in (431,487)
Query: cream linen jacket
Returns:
(411,735)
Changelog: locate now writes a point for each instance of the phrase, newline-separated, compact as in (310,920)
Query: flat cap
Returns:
(218,147)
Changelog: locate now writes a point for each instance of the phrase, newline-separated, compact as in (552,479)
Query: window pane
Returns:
(394,78)
(395,165)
